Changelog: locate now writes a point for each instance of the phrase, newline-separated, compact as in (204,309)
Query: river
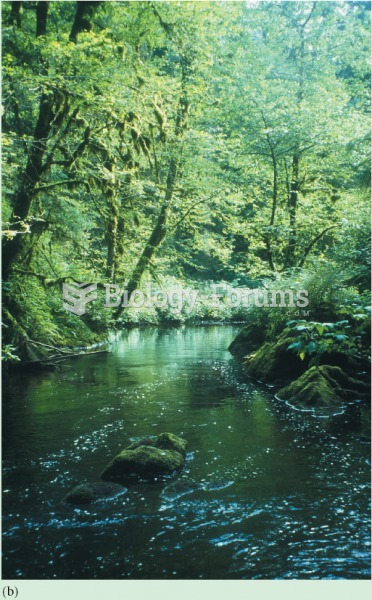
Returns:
(270,492)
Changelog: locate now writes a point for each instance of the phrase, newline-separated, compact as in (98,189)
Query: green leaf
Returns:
(296,345)
(311,347)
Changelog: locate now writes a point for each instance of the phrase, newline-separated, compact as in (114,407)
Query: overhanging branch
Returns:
(313,242)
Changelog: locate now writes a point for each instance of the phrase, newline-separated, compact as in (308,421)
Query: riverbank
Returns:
(313,365)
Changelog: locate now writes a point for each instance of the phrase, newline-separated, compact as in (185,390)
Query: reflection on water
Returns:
(266,493)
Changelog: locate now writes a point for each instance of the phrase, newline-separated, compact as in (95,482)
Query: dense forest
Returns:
(186,290)
(183,144)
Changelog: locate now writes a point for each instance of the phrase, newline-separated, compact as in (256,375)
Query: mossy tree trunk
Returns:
(15,17)
(159,231)
(53,109)
(83,18)
(15,243)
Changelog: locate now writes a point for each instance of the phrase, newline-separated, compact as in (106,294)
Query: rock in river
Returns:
(182,487)
(177,489)
(323,386)
(147,459)
(275,362)
(91,492)
(165,441)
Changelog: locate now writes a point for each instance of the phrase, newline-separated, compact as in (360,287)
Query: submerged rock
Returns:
(177,489)
(180,488)
(215,486)
(91,492)
(147,458)
(324,386)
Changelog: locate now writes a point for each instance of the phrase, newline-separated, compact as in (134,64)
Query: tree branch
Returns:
(64,182)
(43,278)
(188,212)
(49,158)
(313,242)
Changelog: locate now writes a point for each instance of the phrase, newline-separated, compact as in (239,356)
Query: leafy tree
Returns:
(293,116)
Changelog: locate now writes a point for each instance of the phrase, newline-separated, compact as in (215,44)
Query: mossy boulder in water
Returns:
(147,441)
(144,462)
(147,459)
(248,340)
(169,441)
(91,492)
(324,386)
(274,362)
(165,441)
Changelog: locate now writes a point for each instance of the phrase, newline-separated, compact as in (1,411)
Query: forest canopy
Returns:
(180,142)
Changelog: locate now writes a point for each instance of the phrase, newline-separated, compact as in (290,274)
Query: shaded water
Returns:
(267,492)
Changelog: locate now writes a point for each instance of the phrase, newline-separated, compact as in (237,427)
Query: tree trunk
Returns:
(16,14)
(159,232)
(83,18)
(269,250)
(292,210)
(274,204)
(112,234)
(275,190)
(313,243)
(41,18)
(12,246)
(155,239)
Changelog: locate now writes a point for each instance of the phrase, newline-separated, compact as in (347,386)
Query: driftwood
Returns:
(45,362)
(59,350)
(49,363)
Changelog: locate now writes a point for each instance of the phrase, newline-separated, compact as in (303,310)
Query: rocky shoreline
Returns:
(334,380)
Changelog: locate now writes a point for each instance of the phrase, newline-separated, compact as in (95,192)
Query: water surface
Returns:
(267,492)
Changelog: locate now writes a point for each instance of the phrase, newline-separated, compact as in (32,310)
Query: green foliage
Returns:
(194,142)
(8,354)
(318,338)
(205,309)
(330,297)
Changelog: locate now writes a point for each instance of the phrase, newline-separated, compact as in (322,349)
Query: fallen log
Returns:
(50,363)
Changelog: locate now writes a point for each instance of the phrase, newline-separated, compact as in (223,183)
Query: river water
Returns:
(267,492)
